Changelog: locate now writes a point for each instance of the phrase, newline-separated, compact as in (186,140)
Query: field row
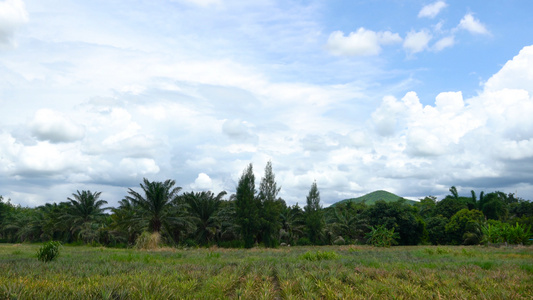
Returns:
(354,272)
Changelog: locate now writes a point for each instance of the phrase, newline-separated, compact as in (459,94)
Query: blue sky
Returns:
(407,96)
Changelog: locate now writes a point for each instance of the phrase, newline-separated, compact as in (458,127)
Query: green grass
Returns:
(332,272)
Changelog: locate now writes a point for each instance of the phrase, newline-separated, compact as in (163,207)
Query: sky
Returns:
(411,97)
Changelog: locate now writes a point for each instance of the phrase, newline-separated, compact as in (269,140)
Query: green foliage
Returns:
(155,205)
(380,236)
(48,251)
(436,229)
(465,227)
(346,221)
(495,232)
(314,218)
(247,207)
(449,206)
(494,206)
(248,218)
(319,255)
(292,224)
(400,216)
(202,207)
(271,208)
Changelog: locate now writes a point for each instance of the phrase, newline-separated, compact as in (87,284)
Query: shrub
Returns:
(380,236)
(48,251)
(319,255)
(148,241)
(496,232)
(303,242)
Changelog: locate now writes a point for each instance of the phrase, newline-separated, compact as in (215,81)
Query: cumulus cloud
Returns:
(462,141)
(432,10)
(473,25)
(49,125)
(417,41)
(515,74)
(363,42)
(444,43)
(13,14)
(163,112)
(202,182)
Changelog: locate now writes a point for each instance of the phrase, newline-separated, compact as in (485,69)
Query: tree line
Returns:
(257,216)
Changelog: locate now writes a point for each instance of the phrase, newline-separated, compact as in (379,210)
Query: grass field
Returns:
(332,272)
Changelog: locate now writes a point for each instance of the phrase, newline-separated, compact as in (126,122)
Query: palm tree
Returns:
(126,223)
(292,224)
(203,207)
(85,213)
(155,204)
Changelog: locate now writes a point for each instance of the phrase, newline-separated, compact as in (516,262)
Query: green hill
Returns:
(371,198)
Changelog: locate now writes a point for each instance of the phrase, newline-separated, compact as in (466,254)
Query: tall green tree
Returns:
(247,207)
(465,227)
(271,208)
(155,204)
(314,218)
(494,206)
(401,217)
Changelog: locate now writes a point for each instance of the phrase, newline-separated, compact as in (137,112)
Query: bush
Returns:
(49,251)
(496,232)
(319,255)
(148,241)
(303,242)
(380,236)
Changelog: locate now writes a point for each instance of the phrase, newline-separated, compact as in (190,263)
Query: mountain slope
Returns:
(371,198)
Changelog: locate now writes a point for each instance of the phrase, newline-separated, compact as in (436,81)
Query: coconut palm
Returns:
(156,203)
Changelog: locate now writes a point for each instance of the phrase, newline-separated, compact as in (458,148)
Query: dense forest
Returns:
(257,216)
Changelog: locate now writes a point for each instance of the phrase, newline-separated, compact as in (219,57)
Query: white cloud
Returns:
(460,141)
(135,167)
(13,14)
(49,125)
(515,74)
(417,41)
(174,101)
(363,42)
(444,43)
(432,10)
(239,130)
(472,25)
(202,182)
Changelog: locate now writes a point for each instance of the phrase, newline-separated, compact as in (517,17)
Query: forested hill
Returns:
(371,198)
